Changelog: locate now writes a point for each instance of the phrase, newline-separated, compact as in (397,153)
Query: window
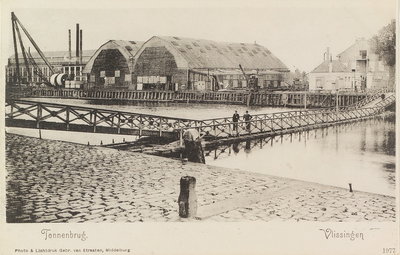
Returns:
(363,54)
(129,48)
(102,74)
(117,73)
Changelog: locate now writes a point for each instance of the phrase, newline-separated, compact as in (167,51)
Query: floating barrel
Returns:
(58,79)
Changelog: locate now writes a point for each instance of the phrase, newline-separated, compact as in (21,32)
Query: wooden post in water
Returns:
(187,200)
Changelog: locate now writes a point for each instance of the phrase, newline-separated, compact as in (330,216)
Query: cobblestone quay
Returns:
(54,181)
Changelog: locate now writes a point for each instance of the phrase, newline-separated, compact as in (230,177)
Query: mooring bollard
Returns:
(351,189)
(101,142)
(187,200)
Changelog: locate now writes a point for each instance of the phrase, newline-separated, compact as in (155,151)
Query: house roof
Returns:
(127,48)
(337,67)
(204,54)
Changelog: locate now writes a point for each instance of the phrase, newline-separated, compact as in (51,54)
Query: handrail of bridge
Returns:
(283,121)
(64,117)
(121,122)
(371,96)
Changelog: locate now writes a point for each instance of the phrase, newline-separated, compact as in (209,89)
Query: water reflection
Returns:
(362,153)
(168,109)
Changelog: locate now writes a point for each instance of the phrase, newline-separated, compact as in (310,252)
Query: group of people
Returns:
(246,117)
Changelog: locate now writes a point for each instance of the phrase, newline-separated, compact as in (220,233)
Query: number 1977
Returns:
(389,250)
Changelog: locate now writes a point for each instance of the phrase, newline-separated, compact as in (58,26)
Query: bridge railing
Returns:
(281,122)
(31,114)
(86,119)
(371,96)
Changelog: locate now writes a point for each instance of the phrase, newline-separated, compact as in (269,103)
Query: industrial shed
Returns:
(175,63)
(111,66)
(62,62)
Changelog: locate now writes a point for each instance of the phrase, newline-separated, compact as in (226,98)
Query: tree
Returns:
(384,45)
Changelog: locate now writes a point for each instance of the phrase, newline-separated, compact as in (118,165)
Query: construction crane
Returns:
(28,59)
(36,68)
(251,80)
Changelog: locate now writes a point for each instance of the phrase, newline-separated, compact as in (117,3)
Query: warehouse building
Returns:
(177,63)
(111,66)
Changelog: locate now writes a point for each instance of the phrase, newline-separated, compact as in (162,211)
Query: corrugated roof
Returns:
(201,53)
(127,48)
(337,67)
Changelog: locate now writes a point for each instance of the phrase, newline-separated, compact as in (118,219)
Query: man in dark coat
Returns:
(247,117)
(235,120)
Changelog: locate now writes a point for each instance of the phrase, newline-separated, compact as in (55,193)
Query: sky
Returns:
(298,32)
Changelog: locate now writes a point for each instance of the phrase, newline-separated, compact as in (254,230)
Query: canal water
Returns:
(361,153)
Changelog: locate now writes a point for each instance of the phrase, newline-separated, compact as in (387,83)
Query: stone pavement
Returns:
(54,181)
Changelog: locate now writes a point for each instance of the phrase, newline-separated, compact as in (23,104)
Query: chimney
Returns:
(69,44)
(77,42)
(327,54)
(80,47)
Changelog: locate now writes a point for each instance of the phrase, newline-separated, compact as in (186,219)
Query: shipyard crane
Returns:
(28,59)
(252,82)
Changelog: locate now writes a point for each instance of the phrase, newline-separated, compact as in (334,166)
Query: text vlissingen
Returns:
(329,233)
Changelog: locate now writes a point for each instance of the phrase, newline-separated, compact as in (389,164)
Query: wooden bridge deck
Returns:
(30,114)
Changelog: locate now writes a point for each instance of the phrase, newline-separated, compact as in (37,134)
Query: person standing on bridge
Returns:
(247,117)
(235,120)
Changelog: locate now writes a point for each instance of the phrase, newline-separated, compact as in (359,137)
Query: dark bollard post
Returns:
(187,200)
(351,189)
(101,142)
